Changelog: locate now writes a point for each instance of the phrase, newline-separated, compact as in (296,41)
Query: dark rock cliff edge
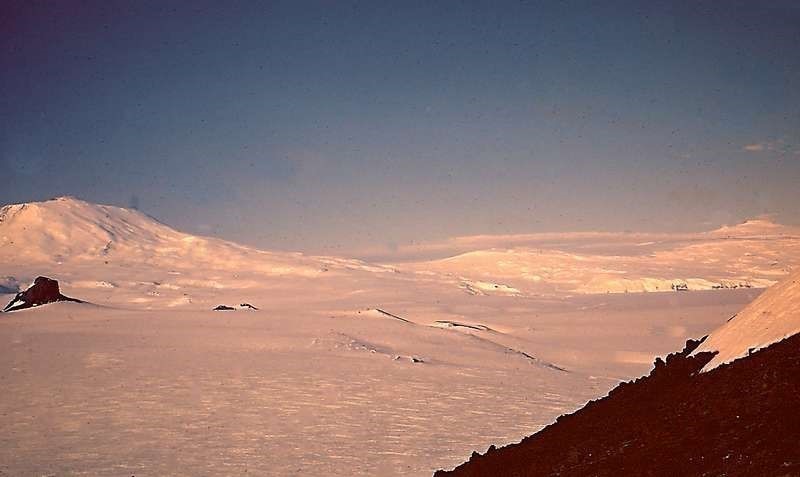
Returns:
(740,419)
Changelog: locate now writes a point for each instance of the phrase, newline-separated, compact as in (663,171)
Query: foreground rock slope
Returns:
(735,419)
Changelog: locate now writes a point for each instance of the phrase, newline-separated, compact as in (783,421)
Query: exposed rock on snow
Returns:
(457,324)
(44,290)
(383,314)
(480,288)
(243,306)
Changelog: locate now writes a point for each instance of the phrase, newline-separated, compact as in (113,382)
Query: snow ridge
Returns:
(772,317)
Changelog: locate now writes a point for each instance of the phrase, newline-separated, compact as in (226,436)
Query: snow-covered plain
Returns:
(348,367)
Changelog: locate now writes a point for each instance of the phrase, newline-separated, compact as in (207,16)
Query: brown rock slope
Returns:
(740,419)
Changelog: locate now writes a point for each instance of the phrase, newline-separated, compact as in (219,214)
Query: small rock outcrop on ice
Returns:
(44,290)
(243,306)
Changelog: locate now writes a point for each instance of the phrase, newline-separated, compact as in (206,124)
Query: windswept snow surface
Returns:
(101,390)
(347,367)
(773,316)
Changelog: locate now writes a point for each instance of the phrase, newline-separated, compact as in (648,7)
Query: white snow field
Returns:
(347,367)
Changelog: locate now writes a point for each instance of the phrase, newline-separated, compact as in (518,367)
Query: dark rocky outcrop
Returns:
(44,290)
(739,419)
(223,308)
(248,306)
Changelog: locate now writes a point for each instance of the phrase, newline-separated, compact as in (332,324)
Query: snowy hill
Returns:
(754,254)
(770,318)
(117,255)
(69,230)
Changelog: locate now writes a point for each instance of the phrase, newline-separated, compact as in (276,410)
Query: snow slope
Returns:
(770,318)
(69,230)
(754,254)
(112,255)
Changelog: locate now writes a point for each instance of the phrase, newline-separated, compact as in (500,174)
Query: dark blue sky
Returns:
(332,126)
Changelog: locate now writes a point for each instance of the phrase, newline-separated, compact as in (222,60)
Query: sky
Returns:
(334,127)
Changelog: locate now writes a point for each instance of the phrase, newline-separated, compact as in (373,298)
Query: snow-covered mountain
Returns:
(67,230)
(117,255)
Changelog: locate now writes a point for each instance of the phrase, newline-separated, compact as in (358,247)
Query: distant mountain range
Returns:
(100,246)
